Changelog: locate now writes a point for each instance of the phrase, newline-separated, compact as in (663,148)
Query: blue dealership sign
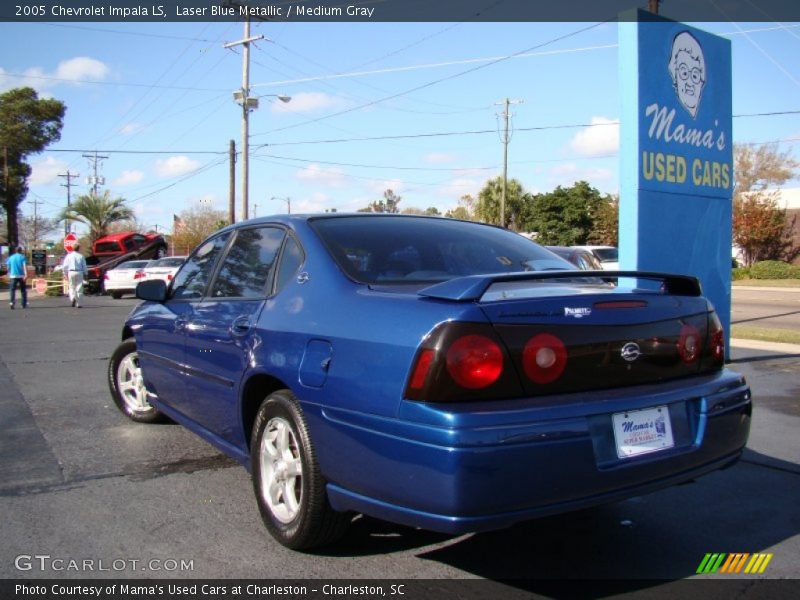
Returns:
(676,155)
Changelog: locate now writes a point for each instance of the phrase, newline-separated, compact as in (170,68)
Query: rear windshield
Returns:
(167,262)
(607,254)
(133,264)
(412,249)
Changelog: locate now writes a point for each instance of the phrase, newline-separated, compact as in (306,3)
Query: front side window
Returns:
(191,281)
(246,269)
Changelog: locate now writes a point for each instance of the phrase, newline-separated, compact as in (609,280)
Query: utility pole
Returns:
(248,104)
(96,180)
(69,176)
(232,183)
(505,140)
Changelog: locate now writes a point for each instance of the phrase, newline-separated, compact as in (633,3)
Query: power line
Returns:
(437,81)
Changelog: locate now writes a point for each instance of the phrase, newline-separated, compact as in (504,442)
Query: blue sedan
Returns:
(441,374)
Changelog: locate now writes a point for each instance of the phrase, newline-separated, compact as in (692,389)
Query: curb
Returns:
(781,347)
(745,288)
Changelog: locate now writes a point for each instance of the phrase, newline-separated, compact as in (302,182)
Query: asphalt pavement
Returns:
(79,481)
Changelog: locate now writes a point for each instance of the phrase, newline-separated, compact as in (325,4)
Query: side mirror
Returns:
(154,290)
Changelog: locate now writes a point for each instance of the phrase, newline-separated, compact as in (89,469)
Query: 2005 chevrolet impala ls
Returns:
(437,373)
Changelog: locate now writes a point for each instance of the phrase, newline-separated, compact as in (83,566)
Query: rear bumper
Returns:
(486,466)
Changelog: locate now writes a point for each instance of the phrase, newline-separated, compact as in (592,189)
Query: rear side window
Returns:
(246,269)
(291,259)
(191,281)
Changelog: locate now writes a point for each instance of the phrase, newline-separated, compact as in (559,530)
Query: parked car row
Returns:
(589,258)
(124,278)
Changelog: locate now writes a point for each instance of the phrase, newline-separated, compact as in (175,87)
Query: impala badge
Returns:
(630,351)
(578,313)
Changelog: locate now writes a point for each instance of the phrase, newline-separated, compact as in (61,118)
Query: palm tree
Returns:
(98,212)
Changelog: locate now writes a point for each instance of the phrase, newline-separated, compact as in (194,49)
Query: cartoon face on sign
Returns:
(687,66)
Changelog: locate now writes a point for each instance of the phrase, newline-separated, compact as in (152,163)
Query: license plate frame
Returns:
(642,431)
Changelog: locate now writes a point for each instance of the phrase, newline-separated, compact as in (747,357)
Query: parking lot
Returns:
(78,481)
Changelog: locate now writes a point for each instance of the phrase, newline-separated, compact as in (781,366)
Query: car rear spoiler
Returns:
(472,287)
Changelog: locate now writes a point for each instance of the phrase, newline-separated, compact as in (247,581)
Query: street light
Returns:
(288,203)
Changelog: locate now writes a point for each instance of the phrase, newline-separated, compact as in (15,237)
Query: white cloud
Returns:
(323,176)
(130,128)
(379,187)
(600,139)
(175,166)
(82,68)
(318,202)
(74,71)
(131,177)
(46,171)
(459,187)
(303,102)
(439,158)
(567,174)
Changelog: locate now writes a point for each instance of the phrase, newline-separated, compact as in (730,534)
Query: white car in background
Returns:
(124,278)
(164,268)
(607,255)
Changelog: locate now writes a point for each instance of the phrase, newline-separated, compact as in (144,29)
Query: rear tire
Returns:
(288,484)
(127,386)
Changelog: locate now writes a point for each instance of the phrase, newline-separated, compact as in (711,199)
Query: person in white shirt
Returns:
(75,270)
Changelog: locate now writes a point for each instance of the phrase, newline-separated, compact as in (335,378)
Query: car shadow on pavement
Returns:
(630,545)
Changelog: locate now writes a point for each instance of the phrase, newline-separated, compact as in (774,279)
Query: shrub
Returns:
(740,274)
(774,269)
(52,288)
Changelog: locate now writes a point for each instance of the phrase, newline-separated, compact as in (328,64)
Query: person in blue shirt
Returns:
(17,274)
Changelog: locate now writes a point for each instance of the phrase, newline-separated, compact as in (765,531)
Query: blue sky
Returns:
(157,99)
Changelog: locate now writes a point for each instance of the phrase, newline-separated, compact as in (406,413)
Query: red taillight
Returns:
(544,358)
(421,370)
(689,344)
(474,361)
(716,341)
(169,277)
(138,275)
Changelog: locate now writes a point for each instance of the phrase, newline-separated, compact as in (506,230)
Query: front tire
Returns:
(127,386)
(288,484)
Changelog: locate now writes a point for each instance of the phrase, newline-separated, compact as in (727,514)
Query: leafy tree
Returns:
(605,217)
(760,227)
(28,125)
(465,209)
(193,225)
(432,211)
(389,204)
(487,208)
(760,168)
(413,210)
(564,217)
(98,213)
(32,230)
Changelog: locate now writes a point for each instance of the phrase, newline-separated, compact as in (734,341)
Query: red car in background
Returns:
(112,250)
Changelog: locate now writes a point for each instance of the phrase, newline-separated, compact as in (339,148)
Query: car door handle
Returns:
(241,325)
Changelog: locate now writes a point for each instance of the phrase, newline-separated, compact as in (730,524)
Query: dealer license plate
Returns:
(642,431)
